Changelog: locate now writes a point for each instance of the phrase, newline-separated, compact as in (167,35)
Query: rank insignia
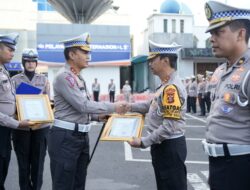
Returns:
(235,78)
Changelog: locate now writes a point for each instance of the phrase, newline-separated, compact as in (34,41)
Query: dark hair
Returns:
(241,23)
(68,50)
(172,59)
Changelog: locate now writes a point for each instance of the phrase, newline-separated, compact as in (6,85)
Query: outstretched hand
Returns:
(122,107)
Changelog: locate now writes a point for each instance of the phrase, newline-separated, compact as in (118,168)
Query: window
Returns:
(43,5)
(173,26)
(181,26)
(165,25)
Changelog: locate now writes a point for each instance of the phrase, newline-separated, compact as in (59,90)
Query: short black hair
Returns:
(241,23)
(172,59)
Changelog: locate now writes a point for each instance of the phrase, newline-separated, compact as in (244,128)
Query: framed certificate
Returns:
(123,127)
(35,108)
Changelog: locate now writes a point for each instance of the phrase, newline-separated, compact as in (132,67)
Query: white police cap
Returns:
(30,54)
(157,49)
(9,40)
(81,41)
(219,14)
(209,73)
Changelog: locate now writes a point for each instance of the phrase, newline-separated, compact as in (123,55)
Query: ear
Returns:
(241,34)
(72,55)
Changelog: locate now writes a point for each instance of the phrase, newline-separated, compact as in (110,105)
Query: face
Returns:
(6,54)
(223,41)
(80,58)
(30,66)
(156,65)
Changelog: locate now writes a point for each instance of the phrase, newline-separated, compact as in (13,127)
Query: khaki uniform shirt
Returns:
(72,101)
(7,100)
(165,112)
(229,119)
(39,81)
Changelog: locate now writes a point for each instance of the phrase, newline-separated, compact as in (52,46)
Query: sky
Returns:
(139,10)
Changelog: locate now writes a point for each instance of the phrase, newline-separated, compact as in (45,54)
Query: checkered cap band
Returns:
(164,50)
(74,43)
(232,13)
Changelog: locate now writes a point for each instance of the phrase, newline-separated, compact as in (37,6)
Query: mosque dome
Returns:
(173,6)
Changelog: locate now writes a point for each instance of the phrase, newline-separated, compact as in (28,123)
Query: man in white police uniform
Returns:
(165,120)
(68,141)
(228,125)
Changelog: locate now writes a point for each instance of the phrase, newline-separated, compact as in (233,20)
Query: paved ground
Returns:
(116,166)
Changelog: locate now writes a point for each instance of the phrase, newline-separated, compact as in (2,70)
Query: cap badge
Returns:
(208,11)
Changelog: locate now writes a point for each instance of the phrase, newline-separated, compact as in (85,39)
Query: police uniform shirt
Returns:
(96,87)
(193,89)
(71,99)
(165,112)
(39,81)
(229,119)
(7,100)
(111,87)
(201,88)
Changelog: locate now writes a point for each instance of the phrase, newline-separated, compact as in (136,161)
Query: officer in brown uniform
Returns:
(30,145)
(228,125)
(68,142)
(7,104)
(165,120)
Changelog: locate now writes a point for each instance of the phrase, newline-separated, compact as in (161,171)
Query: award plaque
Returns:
(123,127)
(35,108)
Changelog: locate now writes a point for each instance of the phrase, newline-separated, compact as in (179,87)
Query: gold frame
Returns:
(109,127)
(43,99)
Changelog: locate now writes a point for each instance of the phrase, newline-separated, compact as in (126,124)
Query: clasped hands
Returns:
(122,107)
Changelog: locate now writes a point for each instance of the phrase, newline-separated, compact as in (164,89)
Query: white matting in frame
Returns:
(123,127)
(35,108)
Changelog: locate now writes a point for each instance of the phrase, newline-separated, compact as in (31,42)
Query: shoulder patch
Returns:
(171,102)
(71,81)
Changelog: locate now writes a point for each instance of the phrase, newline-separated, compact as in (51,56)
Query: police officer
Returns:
(30,145)
(193,93)
(111,89)
(96,90)
(201,88)
(187,83)
(228,125)
(208,90)
(68,142)
(165,120)
(7,104)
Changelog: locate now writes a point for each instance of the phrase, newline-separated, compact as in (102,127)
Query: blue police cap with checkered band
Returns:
(157,49)
(30,55)
(81,41)
(219,14)
(9,40)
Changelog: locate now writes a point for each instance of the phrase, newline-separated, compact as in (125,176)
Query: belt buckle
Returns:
(212,150)
(209,148)
(82,129)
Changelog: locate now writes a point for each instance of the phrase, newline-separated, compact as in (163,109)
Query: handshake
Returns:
(122,107)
